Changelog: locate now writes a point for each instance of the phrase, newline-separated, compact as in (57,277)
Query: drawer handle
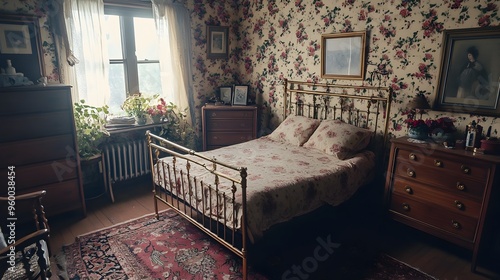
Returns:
(460,186)
(412,156)
(215,137)
(214,114)
(438,163)
(410,172)
(406,206)
(456,224)
(408,189)
(459,205)
(465,169)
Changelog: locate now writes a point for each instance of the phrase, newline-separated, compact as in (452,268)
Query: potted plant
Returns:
(90,122)
(136,105)
(441,129)
(157,112)
(91,133)
(177,129)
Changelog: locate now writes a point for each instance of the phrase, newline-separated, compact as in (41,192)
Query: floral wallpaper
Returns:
(276,39)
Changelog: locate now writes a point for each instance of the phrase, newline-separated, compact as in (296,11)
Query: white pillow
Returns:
(295,130)
(335,137)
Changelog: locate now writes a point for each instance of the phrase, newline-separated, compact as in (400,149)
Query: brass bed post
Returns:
(284,99)
(243,174)
(151,162)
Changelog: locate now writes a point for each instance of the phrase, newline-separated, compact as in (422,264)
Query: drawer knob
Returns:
(438,163)
(460,186)
(412,156)
(459,205)
(214,114)
(410,172)
(408,189)
(215,137)
(465,169)
(406,206)
(456,224)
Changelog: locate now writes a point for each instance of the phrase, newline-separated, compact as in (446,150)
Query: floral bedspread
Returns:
(284,181)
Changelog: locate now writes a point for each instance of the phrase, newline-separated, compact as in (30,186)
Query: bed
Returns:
(324,150)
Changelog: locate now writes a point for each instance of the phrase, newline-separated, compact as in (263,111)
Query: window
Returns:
(133,54)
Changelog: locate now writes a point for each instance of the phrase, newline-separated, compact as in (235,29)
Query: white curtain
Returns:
(173,25)
(89,76)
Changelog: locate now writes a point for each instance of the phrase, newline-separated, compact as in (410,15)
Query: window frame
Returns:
(126,13)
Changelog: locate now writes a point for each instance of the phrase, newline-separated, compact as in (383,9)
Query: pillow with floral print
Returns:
(294,130)
(335,137)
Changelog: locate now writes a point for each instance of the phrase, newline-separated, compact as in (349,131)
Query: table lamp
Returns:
(418,103)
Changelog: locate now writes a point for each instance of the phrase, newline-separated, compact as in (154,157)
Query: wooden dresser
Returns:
(38,139)
(445,192)
(228,125)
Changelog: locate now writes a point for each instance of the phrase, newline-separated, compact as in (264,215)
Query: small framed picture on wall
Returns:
(240,95)
(218,43)
(226,94)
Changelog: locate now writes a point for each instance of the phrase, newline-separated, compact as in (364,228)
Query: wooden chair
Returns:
(26,255)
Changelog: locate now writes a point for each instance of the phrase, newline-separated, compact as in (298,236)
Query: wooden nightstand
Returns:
(228,125)
(451,194)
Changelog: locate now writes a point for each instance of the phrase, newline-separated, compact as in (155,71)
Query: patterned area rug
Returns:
(172,248)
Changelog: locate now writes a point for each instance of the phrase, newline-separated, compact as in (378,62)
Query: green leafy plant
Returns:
(177,129)
(137,105)
(90,122)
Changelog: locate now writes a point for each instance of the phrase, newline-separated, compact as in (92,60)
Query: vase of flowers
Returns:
(158,111)
(417,129)
(136,105)
(441,129)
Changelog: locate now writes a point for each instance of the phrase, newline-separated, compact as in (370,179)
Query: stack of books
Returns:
(120,121)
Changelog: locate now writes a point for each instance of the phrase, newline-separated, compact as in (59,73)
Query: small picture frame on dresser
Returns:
(226,94)
(240,95)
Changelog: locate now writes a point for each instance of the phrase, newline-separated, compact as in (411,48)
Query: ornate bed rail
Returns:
(183,192)
(205,204)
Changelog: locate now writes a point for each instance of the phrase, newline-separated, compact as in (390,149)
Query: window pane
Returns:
(113,37)
(149,78)
(146,42)
(117,87)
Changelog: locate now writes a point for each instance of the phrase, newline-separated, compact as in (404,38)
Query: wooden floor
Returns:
(134,199)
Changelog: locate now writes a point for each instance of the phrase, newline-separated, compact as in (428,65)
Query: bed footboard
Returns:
(215,202)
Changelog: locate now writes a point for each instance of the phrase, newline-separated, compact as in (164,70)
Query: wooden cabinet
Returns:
(228,125)
(38,140)
(445,192)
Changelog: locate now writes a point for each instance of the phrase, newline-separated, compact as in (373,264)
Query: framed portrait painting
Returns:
(226,93)
(240,95)
(343,55)
(21,44)
(217,42)
(469,78)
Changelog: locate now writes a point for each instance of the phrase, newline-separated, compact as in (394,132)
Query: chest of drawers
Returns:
(38,139)
(228,125)
(447,193)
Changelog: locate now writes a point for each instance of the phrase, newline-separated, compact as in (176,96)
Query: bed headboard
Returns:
(362,106)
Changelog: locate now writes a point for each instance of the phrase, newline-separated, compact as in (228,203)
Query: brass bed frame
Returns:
(301,98)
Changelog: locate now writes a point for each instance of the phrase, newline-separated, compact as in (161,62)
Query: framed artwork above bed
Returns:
(343,55)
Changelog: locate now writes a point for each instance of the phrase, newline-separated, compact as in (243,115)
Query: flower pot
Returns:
(141,120)
(419,133)
(156,118)
(441,137)
(491,146)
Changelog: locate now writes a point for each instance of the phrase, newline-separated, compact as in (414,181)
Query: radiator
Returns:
(125,160)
